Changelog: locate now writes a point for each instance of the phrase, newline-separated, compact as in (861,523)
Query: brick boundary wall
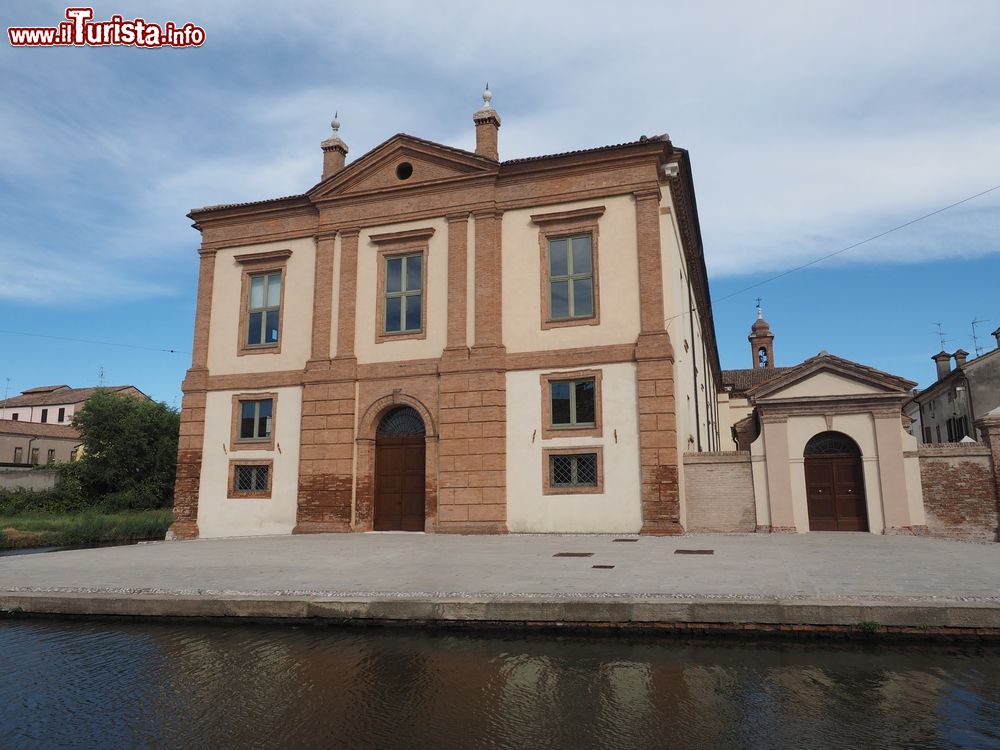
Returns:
(959,491)
(28,479)
(719,491)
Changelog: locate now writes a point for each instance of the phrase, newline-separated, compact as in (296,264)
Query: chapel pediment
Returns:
(400,163)
(828,376)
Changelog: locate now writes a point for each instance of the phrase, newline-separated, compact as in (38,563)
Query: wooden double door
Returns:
(399,482)
(835,492)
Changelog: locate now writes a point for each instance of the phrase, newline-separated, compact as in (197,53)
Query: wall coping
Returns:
(717,457)
(953,449)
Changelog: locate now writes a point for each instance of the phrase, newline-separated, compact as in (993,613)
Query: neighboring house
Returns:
(434,339)
(35,427)
(827,449)
(54,404)
(23,443)
(948,408)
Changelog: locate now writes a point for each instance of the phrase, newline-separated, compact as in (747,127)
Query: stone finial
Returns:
(334,150)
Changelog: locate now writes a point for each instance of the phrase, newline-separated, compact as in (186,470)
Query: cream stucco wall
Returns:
(220,516)
(827,384)
(618,274)
(296,315)
(435,297)
(618,509)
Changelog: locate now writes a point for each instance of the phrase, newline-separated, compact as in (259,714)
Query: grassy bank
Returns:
(88,527)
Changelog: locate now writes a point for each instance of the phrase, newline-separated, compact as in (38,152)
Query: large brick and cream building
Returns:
(435,339)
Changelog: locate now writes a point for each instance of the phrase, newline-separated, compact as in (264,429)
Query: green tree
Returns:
(129,451)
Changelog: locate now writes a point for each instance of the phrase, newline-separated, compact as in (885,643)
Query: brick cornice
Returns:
(264,257)
(578,214)
(647,194)
(346,232)
(407,235)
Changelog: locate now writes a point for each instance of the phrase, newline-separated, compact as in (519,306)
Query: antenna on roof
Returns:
(6,388)
(100,377)
(941,335)
(975,338)
(760,312)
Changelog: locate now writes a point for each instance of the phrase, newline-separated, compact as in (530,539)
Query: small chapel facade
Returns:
(432,339)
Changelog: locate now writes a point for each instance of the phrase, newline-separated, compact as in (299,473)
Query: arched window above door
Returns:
(831,444)
(402,421)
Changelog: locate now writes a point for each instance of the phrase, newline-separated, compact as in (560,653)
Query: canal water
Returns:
(100,685)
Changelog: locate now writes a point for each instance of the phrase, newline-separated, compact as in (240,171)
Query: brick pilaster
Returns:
(658,456)
(489,318)
(348,284)
(322,319)
(990,429)
(458,250)
(191,438)
(472,468)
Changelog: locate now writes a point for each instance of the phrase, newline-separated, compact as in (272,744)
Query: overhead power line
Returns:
(843,249)
(92,341)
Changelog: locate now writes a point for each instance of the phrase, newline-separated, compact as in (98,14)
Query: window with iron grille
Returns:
(255,419)
(572,402)
(573,470)
(404,277)
(251,478)
(571,277)
(263,309)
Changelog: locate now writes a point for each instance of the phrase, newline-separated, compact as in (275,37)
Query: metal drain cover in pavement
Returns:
(573,554)
(603,567)
(624,540)
(694,551)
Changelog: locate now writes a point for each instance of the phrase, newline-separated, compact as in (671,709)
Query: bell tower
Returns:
(761,341)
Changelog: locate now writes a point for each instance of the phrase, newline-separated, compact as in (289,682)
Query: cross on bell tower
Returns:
(761,341)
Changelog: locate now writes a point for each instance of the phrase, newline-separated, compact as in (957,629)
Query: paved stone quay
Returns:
(821,580)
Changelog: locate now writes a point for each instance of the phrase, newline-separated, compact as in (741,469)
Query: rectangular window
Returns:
(45,415)
(253,421)
(18,455)
(263,309)
(74,454)
(927,435)
(34,456)
(404,281)
(573,471)
(571,404)
(250,479)
(14,417)
(571,278)
(62,414)
(51,457)
(570,290)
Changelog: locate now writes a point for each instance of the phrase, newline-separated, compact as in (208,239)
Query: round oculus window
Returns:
(404,170)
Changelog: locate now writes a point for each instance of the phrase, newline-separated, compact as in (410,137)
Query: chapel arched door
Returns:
(835,486)
(399,471)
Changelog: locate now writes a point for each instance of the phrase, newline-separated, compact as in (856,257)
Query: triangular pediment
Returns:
(400,163)
(827,376)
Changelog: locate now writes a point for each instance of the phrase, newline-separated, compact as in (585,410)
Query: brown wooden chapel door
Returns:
(835,490)
(400,453)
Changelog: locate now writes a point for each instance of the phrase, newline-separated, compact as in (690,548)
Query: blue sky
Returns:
(811,126)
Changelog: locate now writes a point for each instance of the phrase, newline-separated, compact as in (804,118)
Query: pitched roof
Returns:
(45,388)
(37,429)
(789,374)
(46,396)
(743,380)
(642,139)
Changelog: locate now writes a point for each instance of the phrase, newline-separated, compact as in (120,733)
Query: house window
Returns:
(45,415)
(571,278)
(253,421)
(62,414)
(262,297)
(18,455)
(51,456)
(34,456)
(74,454)
(250,479)
(14,417)
(568,471)
(927,435)
(263,309)
(403,293)
(571,404)
(569,267)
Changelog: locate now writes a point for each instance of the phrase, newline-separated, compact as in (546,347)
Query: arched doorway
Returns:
(835,488)
(399,471)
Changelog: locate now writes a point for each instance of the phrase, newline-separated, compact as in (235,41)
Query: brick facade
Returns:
(959,491)
(718,492)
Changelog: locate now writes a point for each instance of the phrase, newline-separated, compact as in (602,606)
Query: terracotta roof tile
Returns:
(643,139)
(743,380)
(64,395)
(36,429)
